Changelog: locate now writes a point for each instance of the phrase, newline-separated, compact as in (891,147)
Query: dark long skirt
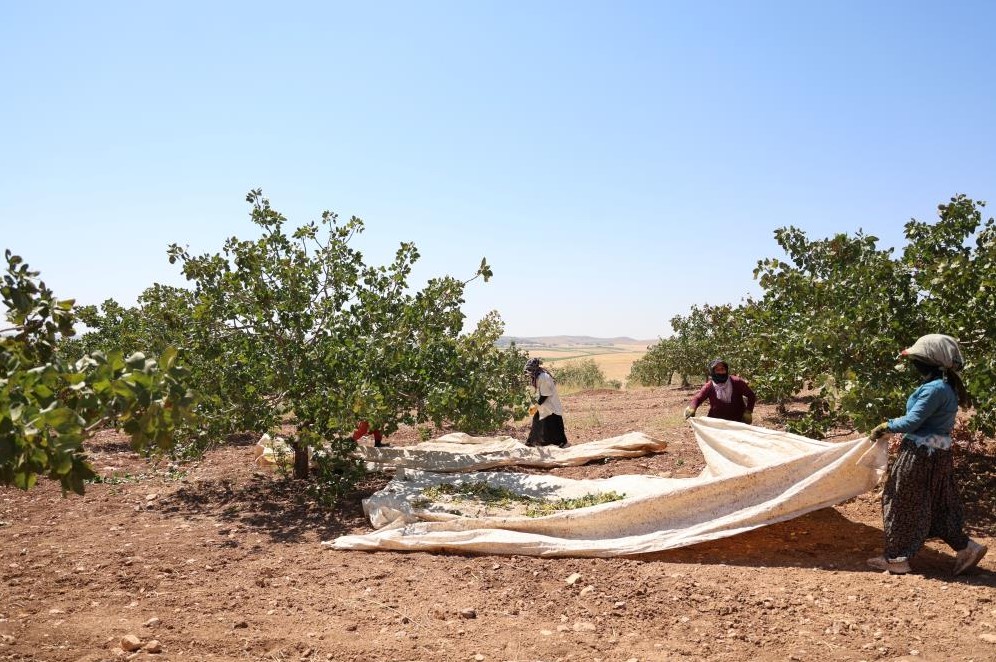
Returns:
(921,501)
(547,432)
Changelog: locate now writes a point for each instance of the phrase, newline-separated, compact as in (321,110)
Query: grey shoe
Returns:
(894,566)
(969,557)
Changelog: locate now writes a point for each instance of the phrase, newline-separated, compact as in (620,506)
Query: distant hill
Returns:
(570,341)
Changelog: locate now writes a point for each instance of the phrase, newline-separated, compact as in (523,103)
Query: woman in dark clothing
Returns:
(921,498)
(729,396)
(548,413)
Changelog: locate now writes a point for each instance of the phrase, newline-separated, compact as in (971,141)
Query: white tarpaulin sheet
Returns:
(461,452)
(753,477)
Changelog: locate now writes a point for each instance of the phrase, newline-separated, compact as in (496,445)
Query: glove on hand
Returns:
(878,431)
(689,412)
(533,409)
(748,417)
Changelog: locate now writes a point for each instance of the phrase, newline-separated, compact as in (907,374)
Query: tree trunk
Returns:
(300,460)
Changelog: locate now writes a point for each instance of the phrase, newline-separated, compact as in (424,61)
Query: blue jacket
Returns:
(930,410)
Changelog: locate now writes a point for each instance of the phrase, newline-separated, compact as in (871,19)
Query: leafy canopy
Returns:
(294,329)
(49,405)
(835,313)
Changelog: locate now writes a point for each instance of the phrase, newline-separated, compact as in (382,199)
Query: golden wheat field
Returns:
(613,359)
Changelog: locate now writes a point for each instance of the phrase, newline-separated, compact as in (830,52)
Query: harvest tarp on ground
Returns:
(458,452)
(753,477)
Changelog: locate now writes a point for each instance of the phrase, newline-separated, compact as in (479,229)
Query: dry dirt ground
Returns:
(217,561)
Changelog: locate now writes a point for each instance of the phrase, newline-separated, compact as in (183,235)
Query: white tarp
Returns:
(753,477)
(461,452)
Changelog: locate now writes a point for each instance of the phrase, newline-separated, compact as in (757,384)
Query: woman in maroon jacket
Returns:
(729,396)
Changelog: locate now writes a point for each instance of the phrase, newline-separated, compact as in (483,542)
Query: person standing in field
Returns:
(548,413)
(729,396)
(921,499)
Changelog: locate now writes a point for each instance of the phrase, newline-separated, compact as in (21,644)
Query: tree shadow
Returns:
(821,539)
(281,508)
(246,438)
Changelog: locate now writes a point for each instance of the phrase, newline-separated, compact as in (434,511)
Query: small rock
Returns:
(240,625)
(7,638)
(989,638)
(307,653)
(152,622)
(130,643)
(153,647)
(151,497)
(620,604)
(468,613)
(587,589)
(479,657)
(562,628)
(351,627)
(546,633)
(573,579)
(584,626)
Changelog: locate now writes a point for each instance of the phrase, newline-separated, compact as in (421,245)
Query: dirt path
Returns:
(228,562)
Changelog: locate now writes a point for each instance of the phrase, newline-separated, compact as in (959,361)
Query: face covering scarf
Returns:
(724,390)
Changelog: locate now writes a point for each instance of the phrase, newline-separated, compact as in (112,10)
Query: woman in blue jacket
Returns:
(921,498)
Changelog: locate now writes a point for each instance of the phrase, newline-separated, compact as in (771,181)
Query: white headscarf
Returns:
(724,391)
(937,349)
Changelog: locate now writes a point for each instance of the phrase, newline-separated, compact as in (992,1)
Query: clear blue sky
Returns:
(616,162)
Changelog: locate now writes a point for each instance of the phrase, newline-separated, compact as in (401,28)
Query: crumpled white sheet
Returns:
(461,452)
(753,477)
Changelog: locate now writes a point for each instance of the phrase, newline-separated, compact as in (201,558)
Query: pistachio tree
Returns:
(953,263)
(49,404)
(294,329)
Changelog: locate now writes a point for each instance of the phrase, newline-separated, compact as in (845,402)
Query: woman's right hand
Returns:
(878,431)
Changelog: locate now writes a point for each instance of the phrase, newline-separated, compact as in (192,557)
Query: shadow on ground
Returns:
(280,507)
(821,539)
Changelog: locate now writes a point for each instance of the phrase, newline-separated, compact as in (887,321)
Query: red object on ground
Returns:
(363,429)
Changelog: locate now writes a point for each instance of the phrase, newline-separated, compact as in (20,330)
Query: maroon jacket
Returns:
(731,411)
